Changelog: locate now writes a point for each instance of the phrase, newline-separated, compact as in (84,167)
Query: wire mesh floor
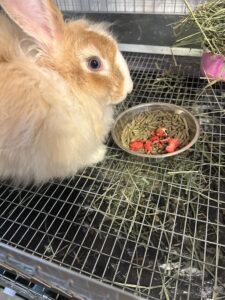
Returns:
(154,229)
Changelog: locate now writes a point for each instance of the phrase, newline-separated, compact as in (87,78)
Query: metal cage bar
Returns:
(126,6)
(179,239)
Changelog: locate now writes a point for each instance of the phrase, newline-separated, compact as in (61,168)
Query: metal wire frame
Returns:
(126,6)
(25,288)
(58,221)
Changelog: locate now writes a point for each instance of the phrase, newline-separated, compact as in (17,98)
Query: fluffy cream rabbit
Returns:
(58,82)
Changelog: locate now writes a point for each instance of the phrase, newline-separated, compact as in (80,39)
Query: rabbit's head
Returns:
(85,54)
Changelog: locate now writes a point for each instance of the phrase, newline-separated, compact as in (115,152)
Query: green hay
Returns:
(208,21)
(130,207)
(126,198)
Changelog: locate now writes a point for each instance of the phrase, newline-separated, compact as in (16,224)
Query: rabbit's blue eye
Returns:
(94,63)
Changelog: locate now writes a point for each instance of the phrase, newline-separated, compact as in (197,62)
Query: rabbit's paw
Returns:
(98,155)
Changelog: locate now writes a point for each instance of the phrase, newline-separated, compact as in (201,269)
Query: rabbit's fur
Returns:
(55,112)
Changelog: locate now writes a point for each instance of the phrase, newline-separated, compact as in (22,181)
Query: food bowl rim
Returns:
(152,104)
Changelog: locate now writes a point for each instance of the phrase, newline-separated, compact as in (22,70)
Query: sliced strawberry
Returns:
(160,132)
(173,144)
(154,138)
(136,145)
(152,133)
(148,146)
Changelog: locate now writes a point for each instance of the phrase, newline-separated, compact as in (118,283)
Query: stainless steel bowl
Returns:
(130,113)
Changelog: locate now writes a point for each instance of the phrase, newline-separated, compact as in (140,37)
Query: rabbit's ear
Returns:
(38,18)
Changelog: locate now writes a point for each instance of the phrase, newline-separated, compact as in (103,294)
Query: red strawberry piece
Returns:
(152,133)
(160,132)
(148,146)
(154,138)
(173,144)
(136,145)
(167,140)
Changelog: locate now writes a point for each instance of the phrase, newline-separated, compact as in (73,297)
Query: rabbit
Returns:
(58,84)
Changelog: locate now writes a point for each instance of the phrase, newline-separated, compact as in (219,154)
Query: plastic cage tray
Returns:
(156,230)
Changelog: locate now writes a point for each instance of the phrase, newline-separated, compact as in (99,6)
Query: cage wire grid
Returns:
(154,229)
(126,6)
